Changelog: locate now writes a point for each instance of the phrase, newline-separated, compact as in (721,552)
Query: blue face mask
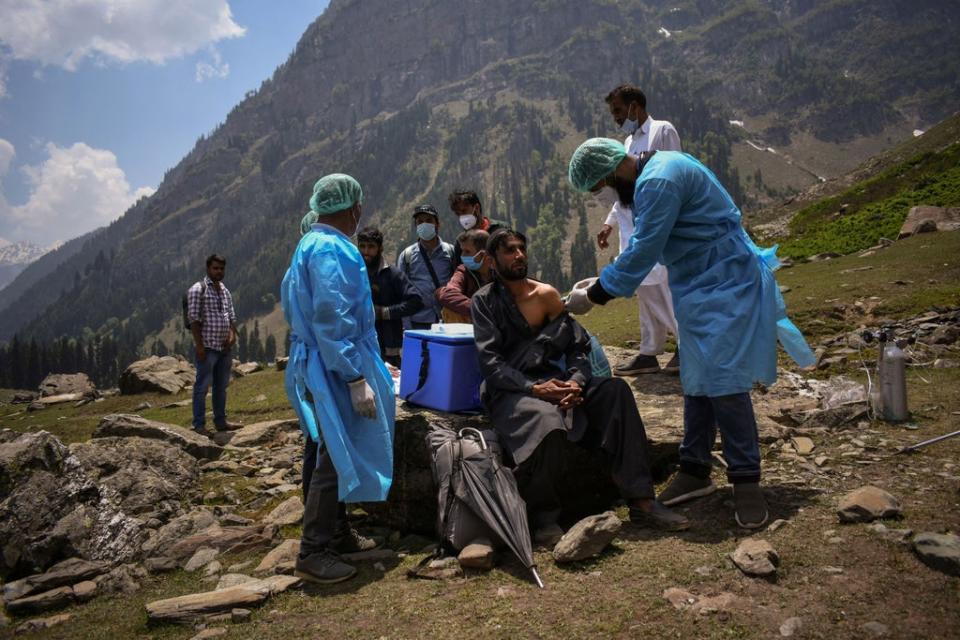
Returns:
(426,231)
(471,262)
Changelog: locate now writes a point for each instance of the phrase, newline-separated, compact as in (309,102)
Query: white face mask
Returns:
(468,221)
(629,126)
(607,197)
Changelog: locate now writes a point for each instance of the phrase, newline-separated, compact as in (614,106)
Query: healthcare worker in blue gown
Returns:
(729,309)
(336,379)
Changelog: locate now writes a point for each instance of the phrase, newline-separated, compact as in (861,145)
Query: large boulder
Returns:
(126,425)
(52,509)
(167,374)
(149,477)
(58,384)
(924,218)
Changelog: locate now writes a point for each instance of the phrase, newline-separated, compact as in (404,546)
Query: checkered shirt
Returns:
(218,314)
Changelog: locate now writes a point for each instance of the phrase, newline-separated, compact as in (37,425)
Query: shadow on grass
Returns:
(367,574)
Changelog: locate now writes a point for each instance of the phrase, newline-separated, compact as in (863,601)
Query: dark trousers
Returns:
(614,427)
(324,516)
(733,415)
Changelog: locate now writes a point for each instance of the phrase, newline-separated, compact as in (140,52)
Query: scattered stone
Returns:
(23,397)
(290,511)
(84,591)
(945,334)
(587,538)
(477,555)
(225,540)
(286,551)
(833,570)
(260,433)
(820,460)
(820,257)
(901,536)
(940,551)
(756,557)
(240,615)
(868,503)
(127,425)
(684,600)
(923,219)
(790,626)
(176,530)
(167,374)
(802,445)
(57,384)
(440,569)
(197,606)
(143,406)
(505,592)
(39,624)
(776,524)
(679,598)
(212,569)
(53,599)
(876,628)
(160,565)
(121,579)
(245,369)
(232,519)
(211,632)
(61,574)
(945,363)
(201,558)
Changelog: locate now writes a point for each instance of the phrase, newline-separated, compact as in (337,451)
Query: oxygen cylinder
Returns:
(893,382)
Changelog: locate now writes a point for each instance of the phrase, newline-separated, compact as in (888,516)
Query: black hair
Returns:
(370,234)
(476,238)
(464,196)
(628,93)
(500,237)
(216,257)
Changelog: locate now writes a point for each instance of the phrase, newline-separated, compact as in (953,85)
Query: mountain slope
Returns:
(491,95)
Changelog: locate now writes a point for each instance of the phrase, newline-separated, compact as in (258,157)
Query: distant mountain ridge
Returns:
(486,94)
(16,256)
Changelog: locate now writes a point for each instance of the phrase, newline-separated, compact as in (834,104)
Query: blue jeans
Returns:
(214,369)
(733,414)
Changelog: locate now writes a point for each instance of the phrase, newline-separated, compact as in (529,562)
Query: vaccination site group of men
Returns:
(683,253)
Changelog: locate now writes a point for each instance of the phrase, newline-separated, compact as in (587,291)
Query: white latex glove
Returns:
(577,302)
(363,398)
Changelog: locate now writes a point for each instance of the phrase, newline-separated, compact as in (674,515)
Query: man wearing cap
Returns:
(428,265)
(729,310)
(336,380)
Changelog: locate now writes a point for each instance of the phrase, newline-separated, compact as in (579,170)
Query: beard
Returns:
(625,189)
(372,263)
(513,273)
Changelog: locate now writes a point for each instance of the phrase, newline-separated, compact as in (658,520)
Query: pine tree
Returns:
(583,256)
(270,349)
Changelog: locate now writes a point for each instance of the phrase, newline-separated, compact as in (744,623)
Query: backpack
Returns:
(185,303)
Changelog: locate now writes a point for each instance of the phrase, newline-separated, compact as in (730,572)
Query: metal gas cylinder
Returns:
(893,382)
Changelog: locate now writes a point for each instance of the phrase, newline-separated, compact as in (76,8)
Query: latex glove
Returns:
(363,398)
(577,302)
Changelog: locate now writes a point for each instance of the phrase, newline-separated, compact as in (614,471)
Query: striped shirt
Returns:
(218,314)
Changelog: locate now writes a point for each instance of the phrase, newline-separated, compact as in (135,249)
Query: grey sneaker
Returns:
(325,567)
(548,535)
(673,367)
(352,542)
(659,517)
(750,506)
(640,364)
(685,487)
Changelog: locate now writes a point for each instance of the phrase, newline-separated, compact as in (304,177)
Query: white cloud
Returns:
(65,32)
(75,190)
(216,68)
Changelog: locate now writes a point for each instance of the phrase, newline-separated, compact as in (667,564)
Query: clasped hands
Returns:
(567,394)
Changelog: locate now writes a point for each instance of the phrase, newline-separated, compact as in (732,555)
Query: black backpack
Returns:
(185,303)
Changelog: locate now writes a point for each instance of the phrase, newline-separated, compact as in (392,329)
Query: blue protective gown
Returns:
(326,300)
(729,309)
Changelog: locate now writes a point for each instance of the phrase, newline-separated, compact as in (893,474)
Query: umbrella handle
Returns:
(483,443)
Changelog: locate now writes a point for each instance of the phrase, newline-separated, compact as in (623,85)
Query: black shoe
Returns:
(324,567)
(203,432)
(685,487)
(673,367)
(640,364)
(750,505)
(659,517)
(352,542)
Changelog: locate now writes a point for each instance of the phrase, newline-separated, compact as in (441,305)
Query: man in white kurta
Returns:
(627,105)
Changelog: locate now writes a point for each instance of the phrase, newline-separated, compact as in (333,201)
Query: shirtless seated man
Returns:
(538,389)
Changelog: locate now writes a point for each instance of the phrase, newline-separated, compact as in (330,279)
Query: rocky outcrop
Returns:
(57,384)
(167,374)
(923,219)
(78,502)
(125,425)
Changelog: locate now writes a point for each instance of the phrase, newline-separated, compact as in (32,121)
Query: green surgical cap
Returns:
(334,193)
(593,161)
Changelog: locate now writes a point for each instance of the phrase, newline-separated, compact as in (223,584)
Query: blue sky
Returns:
(99,97)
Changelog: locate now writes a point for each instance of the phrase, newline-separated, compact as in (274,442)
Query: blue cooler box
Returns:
(449,367)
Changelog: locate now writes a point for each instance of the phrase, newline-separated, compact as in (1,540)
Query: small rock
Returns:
(259,398)
(833,570)
(212,632)
(160,565)
(776,524)
(945,363)
(238,567)
(587,538)
(38,624)
(212,569)
(240,615)
(790,626)
(200,558)
(505,592)
(53,599)
(84,591)
(477,555)
(290,511)
(876,628)
(802,445)
(867,504)
(234,580)
(939,551)
(756,557)
(901,536)
(820,460)
(679,598)
(143,406)
(381,568)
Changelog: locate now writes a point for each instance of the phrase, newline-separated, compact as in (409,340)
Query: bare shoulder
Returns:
(550,299)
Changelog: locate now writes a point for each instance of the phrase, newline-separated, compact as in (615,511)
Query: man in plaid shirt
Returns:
(213,324)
